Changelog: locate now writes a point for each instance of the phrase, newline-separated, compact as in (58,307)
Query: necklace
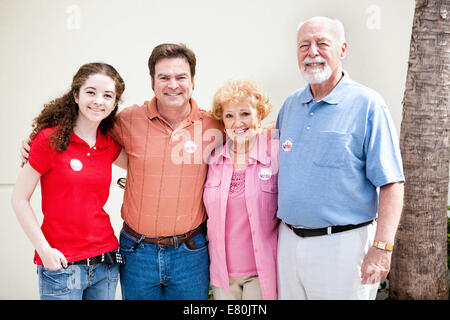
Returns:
(247,146)
(239,159)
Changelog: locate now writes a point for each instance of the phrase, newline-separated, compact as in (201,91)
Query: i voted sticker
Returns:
(287,145)
(265,173)
(76,164)
(190,146)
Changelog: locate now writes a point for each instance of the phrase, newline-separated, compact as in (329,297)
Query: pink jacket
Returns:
(261,192)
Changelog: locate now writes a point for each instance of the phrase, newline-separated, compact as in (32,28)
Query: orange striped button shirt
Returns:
(166,168)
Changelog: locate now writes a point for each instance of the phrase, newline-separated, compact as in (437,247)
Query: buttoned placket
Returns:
(174,134)
(310,106)
(91,150)
(248,173)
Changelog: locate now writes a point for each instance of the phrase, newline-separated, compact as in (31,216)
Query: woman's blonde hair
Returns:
(235,91)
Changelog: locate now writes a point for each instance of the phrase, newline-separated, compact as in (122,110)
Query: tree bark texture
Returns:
(419,262)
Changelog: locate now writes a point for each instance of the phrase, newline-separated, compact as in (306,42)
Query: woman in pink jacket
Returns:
(240,197)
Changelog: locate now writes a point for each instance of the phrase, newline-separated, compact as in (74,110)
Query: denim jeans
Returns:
(154,272)
(79,282)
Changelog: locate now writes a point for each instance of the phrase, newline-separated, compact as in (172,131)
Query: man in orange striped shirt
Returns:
(168,141)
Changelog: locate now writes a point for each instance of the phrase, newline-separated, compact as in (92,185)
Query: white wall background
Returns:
(44,42)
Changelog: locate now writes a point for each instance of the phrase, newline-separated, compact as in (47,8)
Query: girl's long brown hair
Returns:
(62,112)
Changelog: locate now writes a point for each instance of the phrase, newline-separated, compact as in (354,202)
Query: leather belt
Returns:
(303,232)
(167,241)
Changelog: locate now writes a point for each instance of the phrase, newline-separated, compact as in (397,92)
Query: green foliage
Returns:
(210,293)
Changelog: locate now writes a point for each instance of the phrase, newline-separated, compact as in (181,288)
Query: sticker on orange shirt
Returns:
(190,146)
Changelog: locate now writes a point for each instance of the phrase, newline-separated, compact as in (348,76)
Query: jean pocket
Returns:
(113,272)
(55,282)
(127,242)
(200,241)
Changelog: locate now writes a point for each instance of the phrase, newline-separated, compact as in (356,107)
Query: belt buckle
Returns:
(162,241)
(87,261)
(183,237)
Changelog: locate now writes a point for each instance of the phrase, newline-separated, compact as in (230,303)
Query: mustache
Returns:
(313,60)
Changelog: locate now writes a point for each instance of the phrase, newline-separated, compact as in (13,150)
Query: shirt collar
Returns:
(152,110)
(334,97)
(306,95)
(259,152)
(102,140)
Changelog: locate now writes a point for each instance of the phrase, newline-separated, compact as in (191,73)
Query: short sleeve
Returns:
(41,153)
(117,130)
(116,149)
(384,161)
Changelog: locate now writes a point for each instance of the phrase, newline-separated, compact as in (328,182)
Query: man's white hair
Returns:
(334,24)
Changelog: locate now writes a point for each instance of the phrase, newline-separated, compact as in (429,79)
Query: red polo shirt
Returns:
(75,186)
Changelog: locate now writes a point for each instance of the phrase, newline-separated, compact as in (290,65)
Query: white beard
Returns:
(317,76)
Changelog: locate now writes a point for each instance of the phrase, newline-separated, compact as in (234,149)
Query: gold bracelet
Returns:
(383,245)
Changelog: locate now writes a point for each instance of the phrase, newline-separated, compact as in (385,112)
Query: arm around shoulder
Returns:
(122,160)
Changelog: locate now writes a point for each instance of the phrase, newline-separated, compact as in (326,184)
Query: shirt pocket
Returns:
(269,198)
(331,149)
(269,186)
(211,194)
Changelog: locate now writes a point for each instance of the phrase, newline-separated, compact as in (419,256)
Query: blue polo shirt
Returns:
(334,154)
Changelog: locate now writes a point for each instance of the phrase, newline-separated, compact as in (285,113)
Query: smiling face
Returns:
(172,83)
(319,53)
(96,98)
(241,120)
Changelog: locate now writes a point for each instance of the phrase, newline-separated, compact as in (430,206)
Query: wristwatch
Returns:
(383,245)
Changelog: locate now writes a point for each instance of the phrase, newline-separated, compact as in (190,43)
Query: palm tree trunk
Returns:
(419,262)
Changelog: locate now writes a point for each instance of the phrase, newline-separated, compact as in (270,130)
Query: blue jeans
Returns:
(79,282)
(154,272)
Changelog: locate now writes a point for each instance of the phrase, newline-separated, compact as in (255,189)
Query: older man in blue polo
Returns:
(340,180)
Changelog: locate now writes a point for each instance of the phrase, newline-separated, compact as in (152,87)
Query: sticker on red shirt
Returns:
(190,146)
(265,173)
(287,145)
(76,164)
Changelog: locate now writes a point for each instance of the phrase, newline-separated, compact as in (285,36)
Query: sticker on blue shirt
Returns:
(265,174)
(287,145)
(76,165)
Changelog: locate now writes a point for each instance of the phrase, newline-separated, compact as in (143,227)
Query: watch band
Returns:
(383,245)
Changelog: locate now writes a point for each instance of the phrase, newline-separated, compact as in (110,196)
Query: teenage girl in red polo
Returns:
(71,155)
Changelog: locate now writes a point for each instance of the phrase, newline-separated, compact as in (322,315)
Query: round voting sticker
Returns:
(76,164)
(287,145)
(265,173)
(190,146)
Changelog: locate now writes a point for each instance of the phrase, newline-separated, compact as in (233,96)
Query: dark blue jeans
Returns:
(154,272)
